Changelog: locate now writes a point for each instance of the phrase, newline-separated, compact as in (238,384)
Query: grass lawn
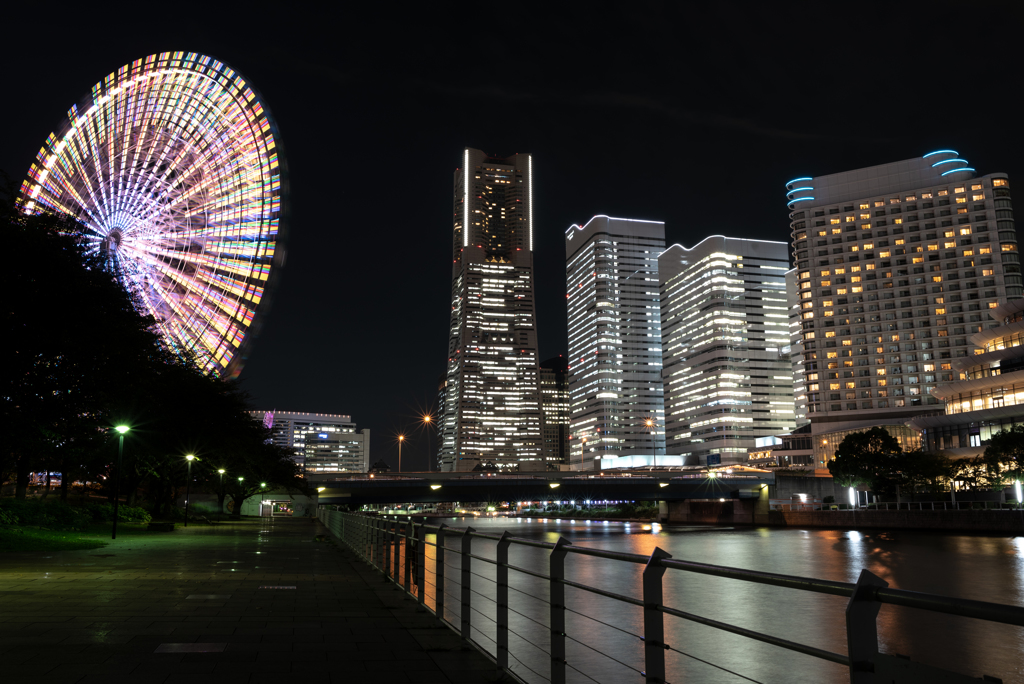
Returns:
(14,538)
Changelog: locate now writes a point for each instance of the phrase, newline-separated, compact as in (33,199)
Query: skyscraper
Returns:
(349,447)
(492,411)
(554,401)
(611,273)
(898,266)
(725,336)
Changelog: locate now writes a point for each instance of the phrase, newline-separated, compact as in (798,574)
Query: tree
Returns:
(865,458)
(1004,455)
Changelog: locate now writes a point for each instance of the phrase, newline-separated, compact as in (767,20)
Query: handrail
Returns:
(374,537)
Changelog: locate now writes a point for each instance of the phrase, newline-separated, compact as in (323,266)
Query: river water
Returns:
(603,646)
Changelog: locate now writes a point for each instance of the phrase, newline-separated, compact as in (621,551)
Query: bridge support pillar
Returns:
(663,511)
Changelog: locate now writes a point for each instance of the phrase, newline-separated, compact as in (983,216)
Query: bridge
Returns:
(647,484)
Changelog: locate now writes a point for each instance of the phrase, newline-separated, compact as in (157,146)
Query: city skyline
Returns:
(607,135)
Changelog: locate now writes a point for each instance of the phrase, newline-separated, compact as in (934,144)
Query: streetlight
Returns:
(188,485)
(401,438)
(221,471)
(121,429)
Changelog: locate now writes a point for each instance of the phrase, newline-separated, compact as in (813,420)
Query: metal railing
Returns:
(398,549)
(902,506)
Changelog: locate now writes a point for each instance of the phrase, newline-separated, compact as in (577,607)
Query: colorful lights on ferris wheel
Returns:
(172,166)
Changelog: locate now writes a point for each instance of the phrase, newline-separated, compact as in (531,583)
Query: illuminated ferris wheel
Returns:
(171,164)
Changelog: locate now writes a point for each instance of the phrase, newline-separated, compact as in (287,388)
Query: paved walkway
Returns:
(251,601)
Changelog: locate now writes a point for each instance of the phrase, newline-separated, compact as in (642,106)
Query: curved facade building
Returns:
(989,397)
(897,266)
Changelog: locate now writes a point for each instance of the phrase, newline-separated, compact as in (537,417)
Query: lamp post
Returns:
(121,429)
(428,421)
(188,485)
(401,438)
(239,511)
(221,471)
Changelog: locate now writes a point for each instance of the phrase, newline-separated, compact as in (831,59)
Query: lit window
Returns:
(865,217)
(806,305)
(949,245)
(806,285)
(822,233)
(830,333)
(833,355)
(962,210)
(837,231)
(910,198)
(884,254)
(976,186)
(863,206)
(960,189)
(894,200)
(940,300)
(840,271)
(808,315)
(828,314)
(978,198)
(849,219)
(865,226)
(834,221)
(987,272)
(961,200)
(926,195)
(826,283)
(841,290)
(869,245)
(997,182)
(1008,248)
(808,336)
(857,288)
(847,343)
(879,203)
(993,305)
(949,233)
(854,248)
(940,311)
(965,231)
(854,269)
(984,250)
(897,221)
(827,303)
(854,279)
(833,385)
(825,273)
(869,267)
(918,260)
(933,248)
(937,279)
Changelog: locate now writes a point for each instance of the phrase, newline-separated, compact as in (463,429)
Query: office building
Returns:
(335,449)
(492,412)
(617,403)
(554,401)
(291,430)
(897,266)
(989,395)
(727,372)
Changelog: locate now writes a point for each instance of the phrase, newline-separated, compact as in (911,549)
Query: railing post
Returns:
(467,548)
(556,595)
(439,572)
(654,619)
(501,607)
(406,548)
(386,556)
(421,564)
(379,551)
(862,628)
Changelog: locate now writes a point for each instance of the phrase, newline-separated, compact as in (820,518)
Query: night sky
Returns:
(692,114)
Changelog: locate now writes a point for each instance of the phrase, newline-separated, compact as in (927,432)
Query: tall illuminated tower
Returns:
(492,411)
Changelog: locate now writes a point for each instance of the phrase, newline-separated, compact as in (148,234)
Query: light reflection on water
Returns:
(976,567)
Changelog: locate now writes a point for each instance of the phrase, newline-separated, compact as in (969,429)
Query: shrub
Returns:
(54,515)
(8,517)
(104,512)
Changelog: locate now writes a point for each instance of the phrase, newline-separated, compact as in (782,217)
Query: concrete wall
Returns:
(814,487)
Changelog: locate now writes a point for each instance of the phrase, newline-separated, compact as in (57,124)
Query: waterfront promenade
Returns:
(248,601)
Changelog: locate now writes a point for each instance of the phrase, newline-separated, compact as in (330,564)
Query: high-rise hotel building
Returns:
(898,266)
(492,411)
(617,403)
(727,373)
